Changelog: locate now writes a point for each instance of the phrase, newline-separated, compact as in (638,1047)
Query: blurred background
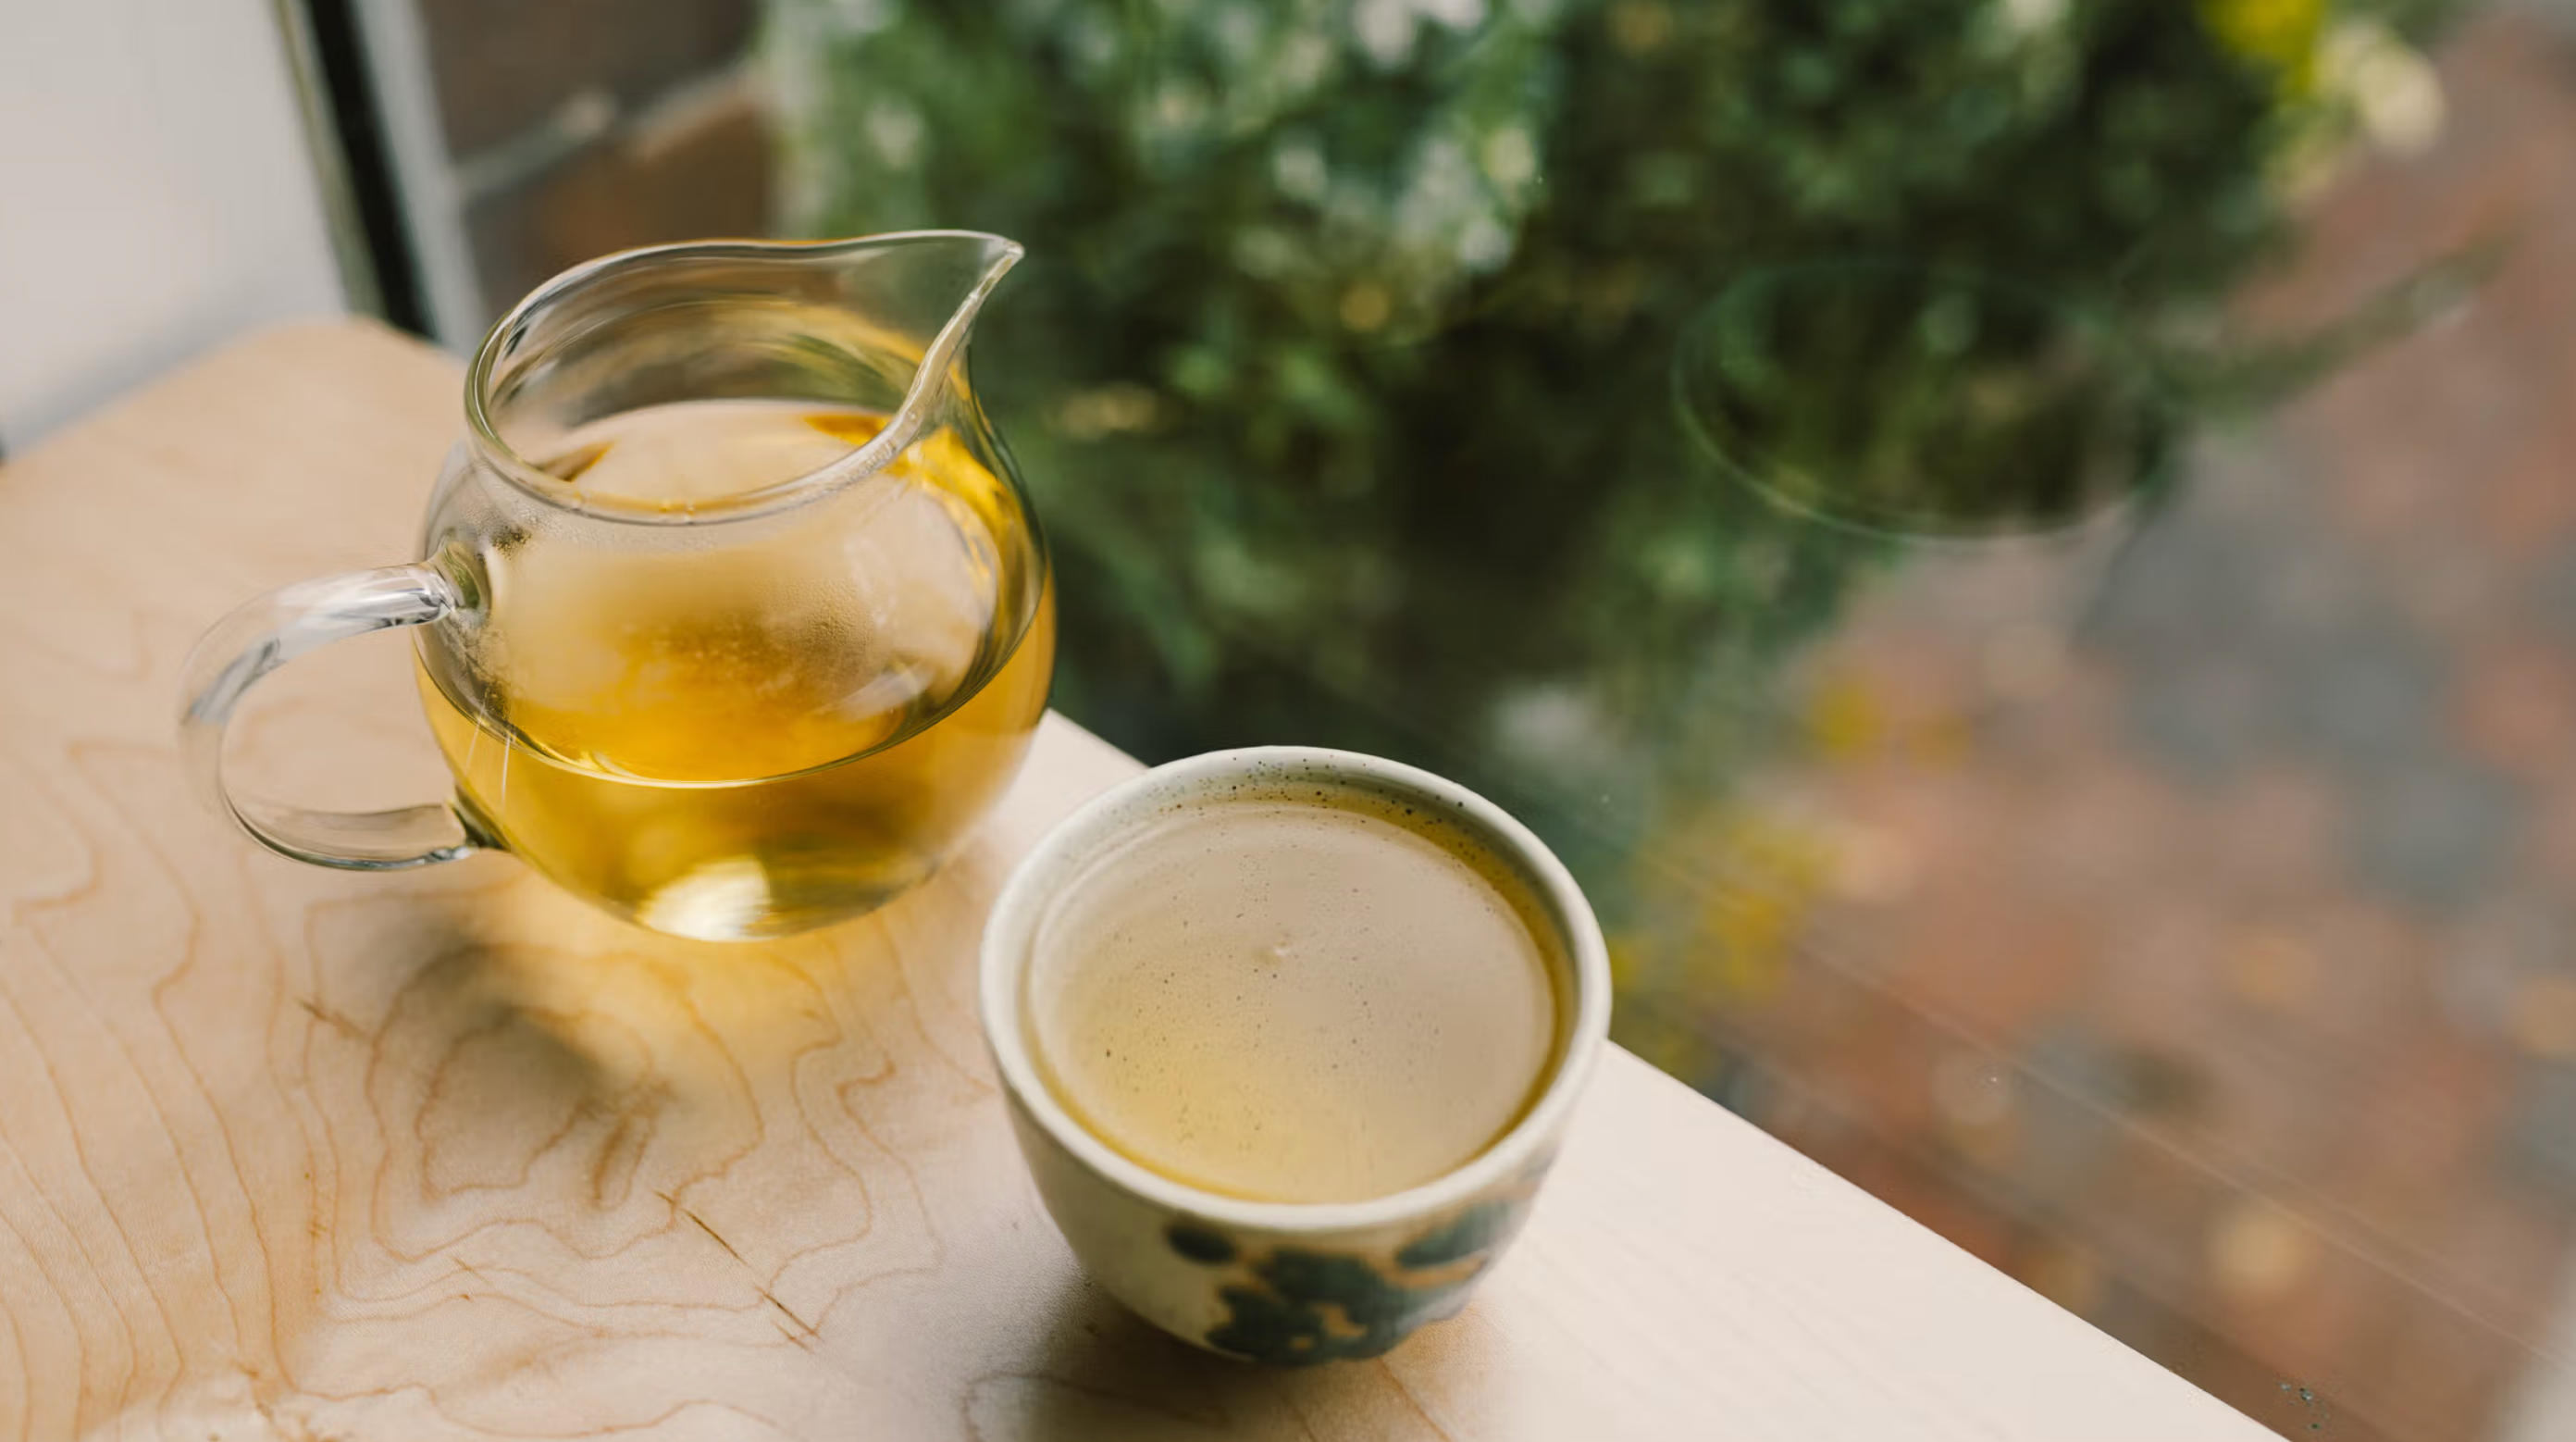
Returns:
(2024,549)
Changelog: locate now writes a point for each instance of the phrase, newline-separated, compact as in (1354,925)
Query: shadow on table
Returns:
(1103,1372)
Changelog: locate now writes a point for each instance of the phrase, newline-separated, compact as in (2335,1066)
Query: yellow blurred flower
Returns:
(1845,718)
(2282,35)
(1735,907)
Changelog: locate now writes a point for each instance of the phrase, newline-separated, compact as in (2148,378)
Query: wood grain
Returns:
(288,1153)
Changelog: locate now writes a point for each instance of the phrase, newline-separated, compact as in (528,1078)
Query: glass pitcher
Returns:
(734,616)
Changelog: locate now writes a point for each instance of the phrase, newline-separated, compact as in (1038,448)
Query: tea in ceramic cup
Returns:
(1289,1037)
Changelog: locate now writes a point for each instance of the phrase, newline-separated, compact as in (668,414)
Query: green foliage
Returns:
(1344,364)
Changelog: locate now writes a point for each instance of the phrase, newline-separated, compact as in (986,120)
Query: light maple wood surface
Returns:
(291,1153)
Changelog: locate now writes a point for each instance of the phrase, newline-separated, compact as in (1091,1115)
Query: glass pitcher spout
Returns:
(880,322)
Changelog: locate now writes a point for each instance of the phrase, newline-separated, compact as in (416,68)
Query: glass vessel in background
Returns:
(734,616)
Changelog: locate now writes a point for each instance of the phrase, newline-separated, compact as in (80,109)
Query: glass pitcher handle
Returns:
(265,633)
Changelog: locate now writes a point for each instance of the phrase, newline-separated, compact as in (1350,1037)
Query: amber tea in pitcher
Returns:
(714,775)
(734,617)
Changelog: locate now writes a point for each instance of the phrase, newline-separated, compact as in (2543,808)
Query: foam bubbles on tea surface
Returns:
(1294,1001)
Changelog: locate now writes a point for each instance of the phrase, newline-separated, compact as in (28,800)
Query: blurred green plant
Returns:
(1345,361)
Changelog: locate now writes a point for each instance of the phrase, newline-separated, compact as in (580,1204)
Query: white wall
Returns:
(156,196)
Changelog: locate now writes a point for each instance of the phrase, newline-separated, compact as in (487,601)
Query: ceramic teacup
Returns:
(1289,1283)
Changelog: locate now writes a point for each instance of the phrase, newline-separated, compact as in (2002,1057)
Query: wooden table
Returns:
(291,1153)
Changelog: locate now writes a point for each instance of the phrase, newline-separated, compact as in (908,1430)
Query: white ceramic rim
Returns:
(1039,878)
